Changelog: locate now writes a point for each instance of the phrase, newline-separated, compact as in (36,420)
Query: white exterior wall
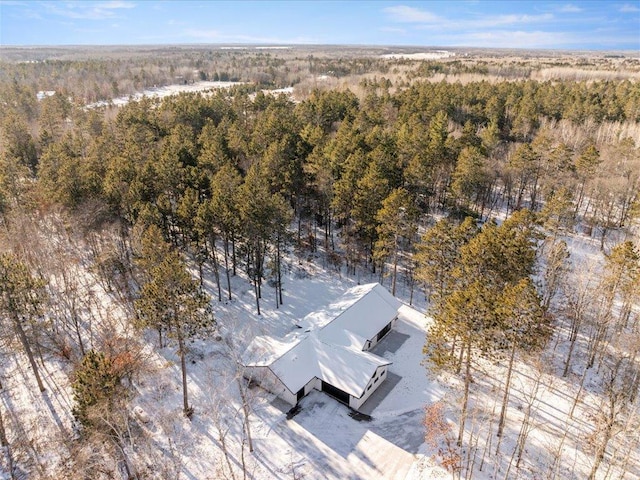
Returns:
(264,377)
(374,341)
(381,374)
(315,383)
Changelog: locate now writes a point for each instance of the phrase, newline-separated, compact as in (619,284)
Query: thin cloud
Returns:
(87,10)
(406,14)
(629,8)
(393,30)
(506,20)
(424,18)
(570,8)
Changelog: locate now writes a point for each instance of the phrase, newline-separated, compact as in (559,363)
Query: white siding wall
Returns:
(381,374)
(314,383)
(374,340)
(288,397)
(269,381)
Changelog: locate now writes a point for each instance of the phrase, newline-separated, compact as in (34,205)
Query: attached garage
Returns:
(335,392)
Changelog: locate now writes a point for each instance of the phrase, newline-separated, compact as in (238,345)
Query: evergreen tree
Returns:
(522,327)
(585,167)
(557,214)
(21,303)
(470,177)
(467,318)
(225,201)
(525,165)
(170,299)
(264,217)
(438,254)
(555,270)
(370,191)
(96,383)
(396,226)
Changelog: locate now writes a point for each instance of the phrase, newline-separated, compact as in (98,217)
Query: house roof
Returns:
(356,317)
(331,343)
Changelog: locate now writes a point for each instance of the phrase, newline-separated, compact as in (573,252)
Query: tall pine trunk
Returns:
(505,397)
(188,411)
(465,399)
(27,348)
(395,267)
(226,264)
(279,270)
(256,274)
(233,253)
(216,269)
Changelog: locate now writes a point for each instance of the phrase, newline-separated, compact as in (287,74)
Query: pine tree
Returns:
(525,164)
(21,300)
(586,166)
(170,299)
(467,317)
(396,223)
(438,253)
(225,187)
(96,382)
(470,177)
(522,326)
(557,214)
(555,271)
(370,191)
(256,212)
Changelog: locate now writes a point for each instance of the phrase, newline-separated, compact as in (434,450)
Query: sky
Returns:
(575,25)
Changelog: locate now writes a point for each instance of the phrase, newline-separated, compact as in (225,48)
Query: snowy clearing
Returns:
(420,56)
(163,92)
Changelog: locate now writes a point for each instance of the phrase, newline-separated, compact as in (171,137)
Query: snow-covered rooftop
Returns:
(359,314)
(331,345)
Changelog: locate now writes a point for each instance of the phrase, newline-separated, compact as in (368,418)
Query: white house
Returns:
(330,351)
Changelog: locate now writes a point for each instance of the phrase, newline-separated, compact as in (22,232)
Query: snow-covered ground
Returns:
(322,441)
(435,55)
(162,92)
(170,90)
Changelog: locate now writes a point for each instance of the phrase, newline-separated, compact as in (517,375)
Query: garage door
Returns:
(335,392)
(384,331)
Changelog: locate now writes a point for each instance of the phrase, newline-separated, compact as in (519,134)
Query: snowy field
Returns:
(435,55)
(163,92)
(170,90)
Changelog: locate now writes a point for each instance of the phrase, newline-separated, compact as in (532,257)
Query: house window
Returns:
(369,387)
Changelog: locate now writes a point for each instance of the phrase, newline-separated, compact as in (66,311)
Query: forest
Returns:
(461,182)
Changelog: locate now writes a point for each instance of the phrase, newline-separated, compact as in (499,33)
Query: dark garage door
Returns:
(384,331)
(335,392)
